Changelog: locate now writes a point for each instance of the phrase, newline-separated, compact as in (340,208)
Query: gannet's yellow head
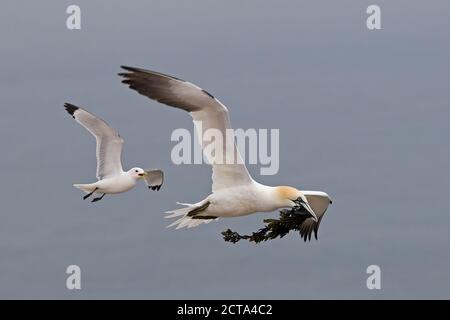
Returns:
(292,197)
(288,194)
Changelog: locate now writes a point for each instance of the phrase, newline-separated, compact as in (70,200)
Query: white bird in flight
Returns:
(234,192)
(111,177)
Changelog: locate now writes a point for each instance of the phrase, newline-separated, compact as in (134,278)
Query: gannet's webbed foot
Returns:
(204,217)
(193,213)
(89,194)
(99,198)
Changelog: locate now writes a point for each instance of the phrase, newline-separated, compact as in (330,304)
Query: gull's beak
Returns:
(142,174)
(310,210)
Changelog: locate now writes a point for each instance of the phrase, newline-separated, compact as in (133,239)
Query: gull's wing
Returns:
(109,143)
(154,178)
(204,109)
(319,202)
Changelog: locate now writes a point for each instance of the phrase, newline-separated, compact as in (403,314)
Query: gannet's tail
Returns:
(189,217)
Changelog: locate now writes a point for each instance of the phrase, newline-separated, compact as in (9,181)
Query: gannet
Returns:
(234,192)
(111,177)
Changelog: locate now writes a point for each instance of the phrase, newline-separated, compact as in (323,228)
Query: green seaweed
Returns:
(289,220)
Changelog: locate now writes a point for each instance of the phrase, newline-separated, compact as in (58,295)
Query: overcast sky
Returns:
(363,115)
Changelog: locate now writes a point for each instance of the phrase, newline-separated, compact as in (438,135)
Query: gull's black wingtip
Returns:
(155,188)
(70,108)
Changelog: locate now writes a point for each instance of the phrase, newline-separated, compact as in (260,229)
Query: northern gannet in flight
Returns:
(234,192)
(111,177)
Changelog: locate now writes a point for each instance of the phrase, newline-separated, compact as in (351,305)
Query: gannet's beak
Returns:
(310,210)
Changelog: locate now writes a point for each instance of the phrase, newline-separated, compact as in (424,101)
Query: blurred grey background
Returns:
(363,115)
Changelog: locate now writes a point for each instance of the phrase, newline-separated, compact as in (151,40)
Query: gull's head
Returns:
(137,173)
(293,198)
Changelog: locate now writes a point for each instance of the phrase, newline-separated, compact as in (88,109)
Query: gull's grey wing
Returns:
(154,179)
(207,112)
(109,142)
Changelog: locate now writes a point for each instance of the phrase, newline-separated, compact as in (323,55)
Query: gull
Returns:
(234,192)
(111,177)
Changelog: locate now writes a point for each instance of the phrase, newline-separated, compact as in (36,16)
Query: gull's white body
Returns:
(123,182)
(234,192)
(111,177)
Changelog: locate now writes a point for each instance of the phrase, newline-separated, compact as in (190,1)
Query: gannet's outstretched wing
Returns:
(109,143)
(208,113)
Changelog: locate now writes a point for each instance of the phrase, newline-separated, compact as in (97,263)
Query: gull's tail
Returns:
(87,188)
(187,218)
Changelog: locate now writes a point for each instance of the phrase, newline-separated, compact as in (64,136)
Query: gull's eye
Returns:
(136,171)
